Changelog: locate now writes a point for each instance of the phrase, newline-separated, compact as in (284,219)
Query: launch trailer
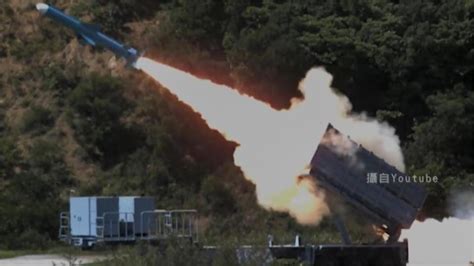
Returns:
(343,168)
(392,254)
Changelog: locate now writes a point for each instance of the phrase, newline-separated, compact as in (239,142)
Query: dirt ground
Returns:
(47,260)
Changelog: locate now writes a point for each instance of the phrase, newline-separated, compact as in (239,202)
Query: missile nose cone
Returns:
(42,8)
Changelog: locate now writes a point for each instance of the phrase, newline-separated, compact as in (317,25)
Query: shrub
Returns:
(37,119)
(96,106)
(217,197)
(32,239)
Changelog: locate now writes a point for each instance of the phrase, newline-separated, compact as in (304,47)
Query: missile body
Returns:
(90,33)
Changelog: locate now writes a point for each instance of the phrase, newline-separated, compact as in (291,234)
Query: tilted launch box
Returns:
(347,171)
(366,182)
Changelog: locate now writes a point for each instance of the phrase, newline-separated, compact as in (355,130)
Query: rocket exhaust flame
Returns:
(276,146)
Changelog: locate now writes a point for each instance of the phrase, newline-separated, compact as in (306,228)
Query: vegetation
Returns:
(36,118)
(71,124)
(31,191)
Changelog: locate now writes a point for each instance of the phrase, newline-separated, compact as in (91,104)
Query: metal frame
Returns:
(118,227)
(164,223)
(111,224)
(64,228)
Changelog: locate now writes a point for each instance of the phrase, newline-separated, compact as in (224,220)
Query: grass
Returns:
(6,254)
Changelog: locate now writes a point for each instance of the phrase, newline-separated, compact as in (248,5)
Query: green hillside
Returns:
(75,121)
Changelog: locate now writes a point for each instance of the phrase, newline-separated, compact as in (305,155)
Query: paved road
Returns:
(46,260)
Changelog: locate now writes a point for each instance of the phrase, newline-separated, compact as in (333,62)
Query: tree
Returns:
(30,200)
(217,197)
(96,107)
(442,146)
(9,158)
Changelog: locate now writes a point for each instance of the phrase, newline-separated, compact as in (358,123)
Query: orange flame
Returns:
(277,145)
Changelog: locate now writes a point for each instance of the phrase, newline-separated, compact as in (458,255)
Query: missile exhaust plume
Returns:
(276,146)
(449,242)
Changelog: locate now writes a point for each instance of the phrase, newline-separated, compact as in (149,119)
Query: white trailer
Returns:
(122,219)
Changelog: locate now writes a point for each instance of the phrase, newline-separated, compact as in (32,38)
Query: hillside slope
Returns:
(75,121)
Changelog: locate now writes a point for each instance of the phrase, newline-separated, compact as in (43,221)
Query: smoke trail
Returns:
(275,147)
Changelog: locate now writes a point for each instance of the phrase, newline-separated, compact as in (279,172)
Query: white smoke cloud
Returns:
(461,204)
(449,242)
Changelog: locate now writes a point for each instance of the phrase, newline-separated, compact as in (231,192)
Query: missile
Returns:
(90,33)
